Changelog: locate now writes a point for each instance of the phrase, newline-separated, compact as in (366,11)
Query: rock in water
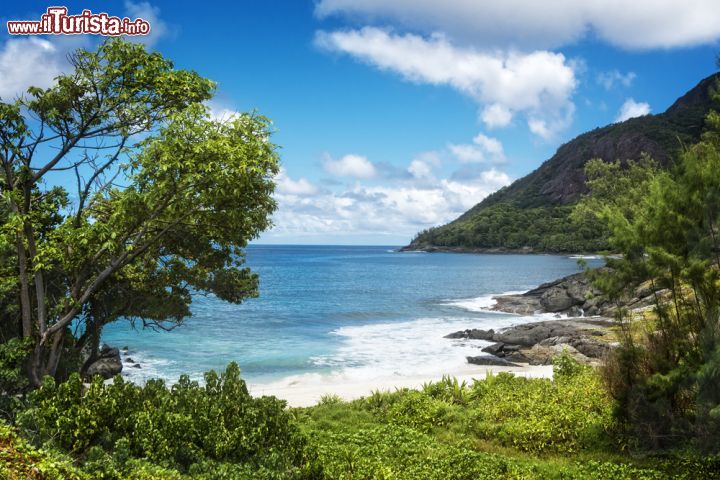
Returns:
(107,365)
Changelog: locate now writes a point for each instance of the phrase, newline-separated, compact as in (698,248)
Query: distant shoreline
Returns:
(497,251)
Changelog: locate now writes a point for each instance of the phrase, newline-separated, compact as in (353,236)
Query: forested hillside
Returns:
(533,213)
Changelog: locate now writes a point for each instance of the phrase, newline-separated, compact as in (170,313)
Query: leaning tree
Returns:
(121,197)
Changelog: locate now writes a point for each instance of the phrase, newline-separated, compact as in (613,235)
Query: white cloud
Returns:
(287,186)
(419,169)
(631,109)
(151,14)
(483,149)
(496,115)
(355,166)
(641,24)
(26,62)
(220,112)
(467,153)
(609,79)
(538,83)
(490,145)
(378,211)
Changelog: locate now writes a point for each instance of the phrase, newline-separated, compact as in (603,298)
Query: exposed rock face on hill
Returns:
(498,221)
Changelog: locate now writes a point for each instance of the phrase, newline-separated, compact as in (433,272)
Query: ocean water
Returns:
(362,311)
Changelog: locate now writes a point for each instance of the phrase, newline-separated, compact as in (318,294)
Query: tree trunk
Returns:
(25,305)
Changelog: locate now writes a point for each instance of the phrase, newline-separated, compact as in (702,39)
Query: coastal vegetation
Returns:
(167,206)
(499,426)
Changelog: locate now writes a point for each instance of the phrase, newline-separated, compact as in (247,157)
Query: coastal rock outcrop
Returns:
(575,296)
(491,361)
(538,342)
(107,365)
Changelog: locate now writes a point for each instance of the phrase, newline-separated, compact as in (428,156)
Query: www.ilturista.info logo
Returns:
(57,22)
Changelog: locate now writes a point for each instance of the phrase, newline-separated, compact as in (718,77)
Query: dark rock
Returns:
(494,349)
(137,365)
(517,356)
(476,334)
(517,304)
(556,299)
(107,365)
(490,361)
(125,348)
(511,348)
(460,334)
(129,360)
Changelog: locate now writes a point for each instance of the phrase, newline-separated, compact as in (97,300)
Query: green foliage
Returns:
(497,430)
(13,381)
(192,192)
(569,414)
(188,427)
(507,226)
(21,461)
(667,378)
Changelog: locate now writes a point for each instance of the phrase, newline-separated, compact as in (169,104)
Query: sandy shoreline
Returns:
(306,390)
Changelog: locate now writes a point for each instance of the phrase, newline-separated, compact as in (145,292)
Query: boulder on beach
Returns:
(490,360)
(107,365)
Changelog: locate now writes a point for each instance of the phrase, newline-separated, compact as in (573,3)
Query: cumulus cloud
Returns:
(351,165)
(496,115)
(609,79)
(151,14)
(377,211)
(26,62)
(538,84)
(631,109)
(284,185)
(483,149)
(549,24)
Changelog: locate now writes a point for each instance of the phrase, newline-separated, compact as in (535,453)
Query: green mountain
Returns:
(532,214)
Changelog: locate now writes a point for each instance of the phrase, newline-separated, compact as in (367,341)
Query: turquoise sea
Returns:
(362,310)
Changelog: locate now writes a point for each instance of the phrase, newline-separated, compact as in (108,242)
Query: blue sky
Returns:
(397,116)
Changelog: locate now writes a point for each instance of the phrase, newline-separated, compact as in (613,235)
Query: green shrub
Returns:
(21,461)
(182,427)
(540,415)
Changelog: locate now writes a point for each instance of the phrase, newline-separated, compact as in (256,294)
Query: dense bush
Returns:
(571,413)
(206,429)
(505,225)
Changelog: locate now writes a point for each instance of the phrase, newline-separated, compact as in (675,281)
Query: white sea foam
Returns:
(407,348)
(150,367)
(483,303)
(390,355)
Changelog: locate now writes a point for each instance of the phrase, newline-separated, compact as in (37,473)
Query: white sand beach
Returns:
(306,390)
